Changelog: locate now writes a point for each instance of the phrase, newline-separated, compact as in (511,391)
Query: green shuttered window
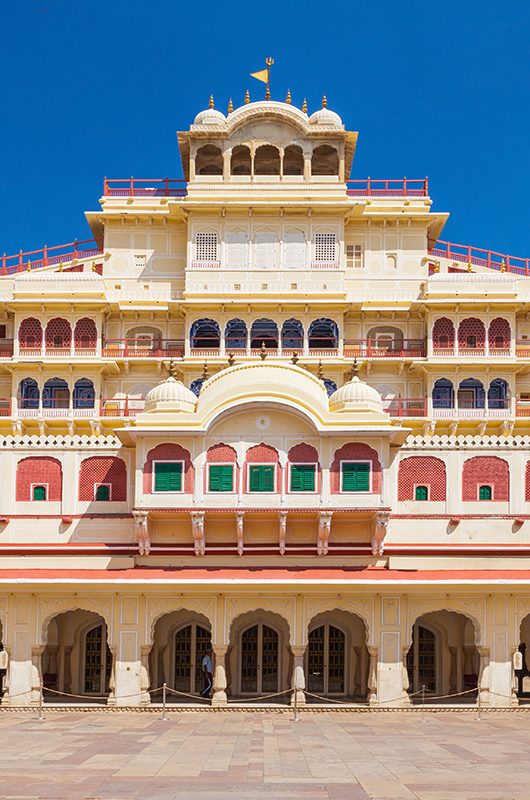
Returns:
(421,493)
(355,476)
(221,478)
(261,478)
(302,477)
(39,493)
(168,476)
(484,493)
(102,492)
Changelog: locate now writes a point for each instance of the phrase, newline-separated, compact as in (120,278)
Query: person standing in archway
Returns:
(207,672)
(4,661)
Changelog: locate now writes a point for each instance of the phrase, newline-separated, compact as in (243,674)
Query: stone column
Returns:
(219,697)
(373,652)
(145,697)
(36,673)
(298,681)
(483,676)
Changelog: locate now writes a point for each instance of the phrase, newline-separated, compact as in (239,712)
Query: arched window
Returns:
(205,334)
(196,386)
(266,250)
(385,340)
(498,394)
(330,385)
(481,471)
(240,160)
(325,160)
(30,334)
(85,334)
(58,334)
(294,249)
(323,334)
(236,249)
(471,394)
(292,335)
(209,160)
(443,394)
(267,160)
(421,493)
(264,331)
(422,478)
(443,334)
(293,160)
(84,394)
(236,335)
(499,334)
(144,339)
(471,334)
(29,393)
(41,471)
(55,394)
(103,478)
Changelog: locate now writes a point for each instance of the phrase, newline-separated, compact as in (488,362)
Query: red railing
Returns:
(466,254)
(399,187)
(121,407)
(5,407)
(6,348)
(406,407)
(144,187)
(137,348)
(47,256)
(369,348)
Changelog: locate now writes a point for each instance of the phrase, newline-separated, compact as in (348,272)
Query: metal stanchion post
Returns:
(478,705)
(164,717)
(41,715)
(423,702)
(296,705)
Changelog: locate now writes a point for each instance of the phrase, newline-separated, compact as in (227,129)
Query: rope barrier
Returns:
(261,697)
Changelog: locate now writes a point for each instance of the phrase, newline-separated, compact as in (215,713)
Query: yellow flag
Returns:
(262,75)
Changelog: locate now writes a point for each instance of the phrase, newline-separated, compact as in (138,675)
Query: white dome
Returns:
(324,116)
(170,395)
(210,116)
(356,395)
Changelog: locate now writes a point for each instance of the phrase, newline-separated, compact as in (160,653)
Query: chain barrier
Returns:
(261,697)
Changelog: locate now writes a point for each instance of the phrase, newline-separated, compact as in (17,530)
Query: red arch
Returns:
(356,451)
(222,453)
(30,327)
(168,452)
(85,334)
(472,326)
(103,469)
(443,327)
(482,470)
(42,470)
(425,471)
(61,328)
(499,329)
(304,453)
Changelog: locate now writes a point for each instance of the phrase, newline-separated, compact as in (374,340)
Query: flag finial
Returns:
(288,98)
(264,75)
(304,106)
(211,103)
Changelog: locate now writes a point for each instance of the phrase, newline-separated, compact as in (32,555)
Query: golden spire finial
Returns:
(320,371)
(354,372)
(247,97)
(205,372)
(28,268)
(503,266)
(469,264)
(231,360)
(288,98)
(304,106)
(94,267)
(230,106)
(211,103)
(172,369)
(324,102)
(263,352)
(60,265)
(294,357)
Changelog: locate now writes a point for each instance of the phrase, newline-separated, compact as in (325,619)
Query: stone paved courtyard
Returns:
(326,756)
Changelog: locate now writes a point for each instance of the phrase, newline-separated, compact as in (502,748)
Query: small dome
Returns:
(170,395)
(210,116)
(325,116)
(356,395)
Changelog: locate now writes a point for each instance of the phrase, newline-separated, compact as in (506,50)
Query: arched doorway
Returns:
(336,658)
(180,640)
(259,654)
(326,653)
(77,659)
(443,656)
(259,659)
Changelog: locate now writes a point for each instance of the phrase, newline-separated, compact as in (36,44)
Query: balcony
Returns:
(401,187)
(372,348)
(486,351)
(121,408)
(49,256)
(139,348)
(144,187)
(406,407)
(476,256)
(48,351)
(6,348)
(501,410)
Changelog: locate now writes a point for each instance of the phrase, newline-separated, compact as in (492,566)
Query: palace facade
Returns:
(266,409)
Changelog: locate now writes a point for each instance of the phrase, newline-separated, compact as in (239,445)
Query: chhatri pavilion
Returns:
(266,410)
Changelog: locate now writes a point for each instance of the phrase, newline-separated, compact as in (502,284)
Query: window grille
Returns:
(354,256)
(325,247)
(206,247)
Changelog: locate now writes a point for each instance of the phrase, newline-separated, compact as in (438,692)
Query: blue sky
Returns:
(99,88)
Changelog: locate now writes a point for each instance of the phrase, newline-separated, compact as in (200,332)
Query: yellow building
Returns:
(267,409)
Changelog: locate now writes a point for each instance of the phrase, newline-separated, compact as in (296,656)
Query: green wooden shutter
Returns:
(484,493)
(103,493)
(221,478)
(302,477)
(261,478)
(355,477)
(421,493)
(39,493)
(168,476)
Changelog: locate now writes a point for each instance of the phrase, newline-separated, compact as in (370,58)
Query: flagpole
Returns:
(269,62)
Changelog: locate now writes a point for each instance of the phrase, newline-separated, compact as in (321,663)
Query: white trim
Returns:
(357,461)
(302,464)
(263,464)
(167,461)
(32,486)
(96,487)
(220,464)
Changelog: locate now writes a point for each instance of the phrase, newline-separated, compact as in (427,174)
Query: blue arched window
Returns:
(498,394)
(205,334)
(324,334)
(264,330)
(292,334)
(29,393)
(471,394)
(55,394)
(330,385)
(236,335)
(84,394)
(196,386)
(443,394)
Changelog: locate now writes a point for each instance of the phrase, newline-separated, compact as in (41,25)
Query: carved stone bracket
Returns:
(380,528)
(283,531)
(197,525)
(324,530)
(141,529)
(240,518)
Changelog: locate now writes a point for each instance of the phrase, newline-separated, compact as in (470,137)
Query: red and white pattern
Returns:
(486,471)
(39,471)
(421,471)
(356,451)
(103,469)
(169,452)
